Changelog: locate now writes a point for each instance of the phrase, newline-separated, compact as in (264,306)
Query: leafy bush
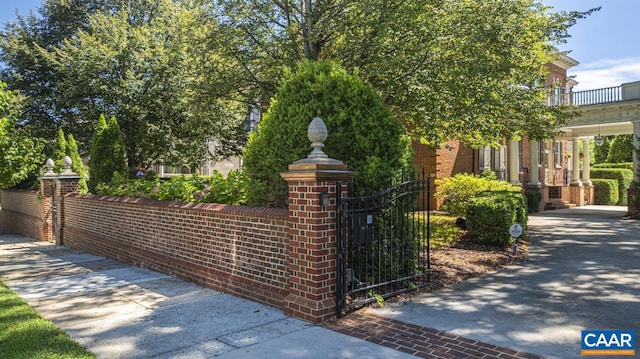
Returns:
(362,131)
(533,197)
(621,149)
(193,188)
(491,214)
(107,153)
(606,191)
(627,165)
(459,189)
(623,176)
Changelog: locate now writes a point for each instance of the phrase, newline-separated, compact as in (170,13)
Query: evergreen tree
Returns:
(107,155)
(621,149)
(59,151)
(362,131)
(77,165)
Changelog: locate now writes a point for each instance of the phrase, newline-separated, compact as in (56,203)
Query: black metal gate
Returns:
(383,243)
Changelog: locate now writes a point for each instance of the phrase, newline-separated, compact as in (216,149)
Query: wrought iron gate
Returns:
(383,243)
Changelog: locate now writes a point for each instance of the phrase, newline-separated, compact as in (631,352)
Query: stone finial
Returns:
(317,134)
(67,163)
(49,164)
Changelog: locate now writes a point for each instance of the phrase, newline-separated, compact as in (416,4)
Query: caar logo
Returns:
(608,342)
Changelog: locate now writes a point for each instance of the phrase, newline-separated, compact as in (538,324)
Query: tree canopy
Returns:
(20,155)
(180,75)
(454,69)
(144,62)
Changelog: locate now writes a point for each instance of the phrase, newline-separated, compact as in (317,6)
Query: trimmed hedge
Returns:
(490,215)
(606,191)
(622,175)
(533,197)
(627,165)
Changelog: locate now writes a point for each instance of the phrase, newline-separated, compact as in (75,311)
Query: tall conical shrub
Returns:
(59,151)
(77,165)
(107,154)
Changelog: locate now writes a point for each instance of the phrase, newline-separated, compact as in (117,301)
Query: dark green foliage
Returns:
(362,132)
(621,149)
(606,191)
(601,153)
(491,214)
(627,165)
(59,151)
(202,189)
(107,153)
(533,197)
(623,176)
(77,165)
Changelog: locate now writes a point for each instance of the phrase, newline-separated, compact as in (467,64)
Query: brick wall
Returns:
(235,249)
(26,213)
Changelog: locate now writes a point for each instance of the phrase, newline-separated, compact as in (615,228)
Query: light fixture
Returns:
(598,140)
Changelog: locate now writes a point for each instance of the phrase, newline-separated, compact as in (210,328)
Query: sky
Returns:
(606,44)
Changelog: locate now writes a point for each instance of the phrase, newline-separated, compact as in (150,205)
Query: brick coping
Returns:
(419,341)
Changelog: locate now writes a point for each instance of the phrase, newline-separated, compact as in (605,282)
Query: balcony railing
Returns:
(589,97)
(592,97)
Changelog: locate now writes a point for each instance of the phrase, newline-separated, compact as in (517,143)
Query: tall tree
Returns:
(20,155)
(77,165)
(462,69)
(145,63)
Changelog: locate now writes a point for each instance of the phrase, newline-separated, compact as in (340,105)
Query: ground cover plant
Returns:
(26,335)
(186,188)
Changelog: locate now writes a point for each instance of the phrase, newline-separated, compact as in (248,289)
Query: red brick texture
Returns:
(312,251)
(419,341)
(234,249)
(25,212)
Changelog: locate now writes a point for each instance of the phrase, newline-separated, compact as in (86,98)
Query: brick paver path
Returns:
(419,341)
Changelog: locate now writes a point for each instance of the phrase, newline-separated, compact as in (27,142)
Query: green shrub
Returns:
(606,191)
(621,149)
(456,191)
(107,154)
(77,165)
(623,176)
(627,165)
(533,197)
(193,188)
(489,218)
(362,131)
(59,151)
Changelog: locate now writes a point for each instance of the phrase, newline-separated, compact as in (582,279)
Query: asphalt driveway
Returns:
(583,272)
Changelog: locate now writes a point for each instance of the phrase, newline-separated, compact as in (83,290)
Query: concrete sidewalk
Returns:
(583,272)
(120,311)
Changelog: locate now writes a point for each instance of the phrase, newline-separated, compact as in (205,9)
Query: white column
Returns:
(514,167)
(575,156)
(586,165)
(534,172)
(636,160)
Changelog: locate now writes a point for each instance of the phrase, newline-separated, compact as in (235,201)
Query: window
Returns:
(484,158)
(557,153)
(520,155)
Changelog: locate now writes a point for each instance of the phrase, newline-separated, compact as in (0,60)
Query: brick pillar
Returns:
(53,189)
(312,248)
(67,182)
(47,190)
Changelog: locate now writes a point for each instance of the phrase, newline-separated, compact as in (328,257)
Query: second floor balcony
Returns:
(624,92)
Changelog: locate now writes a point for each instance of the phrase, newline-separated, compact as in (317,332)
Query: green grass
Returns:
(24,334)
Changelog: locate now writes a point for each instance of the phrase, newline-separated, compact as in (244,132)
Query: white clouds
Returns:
(606,73)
